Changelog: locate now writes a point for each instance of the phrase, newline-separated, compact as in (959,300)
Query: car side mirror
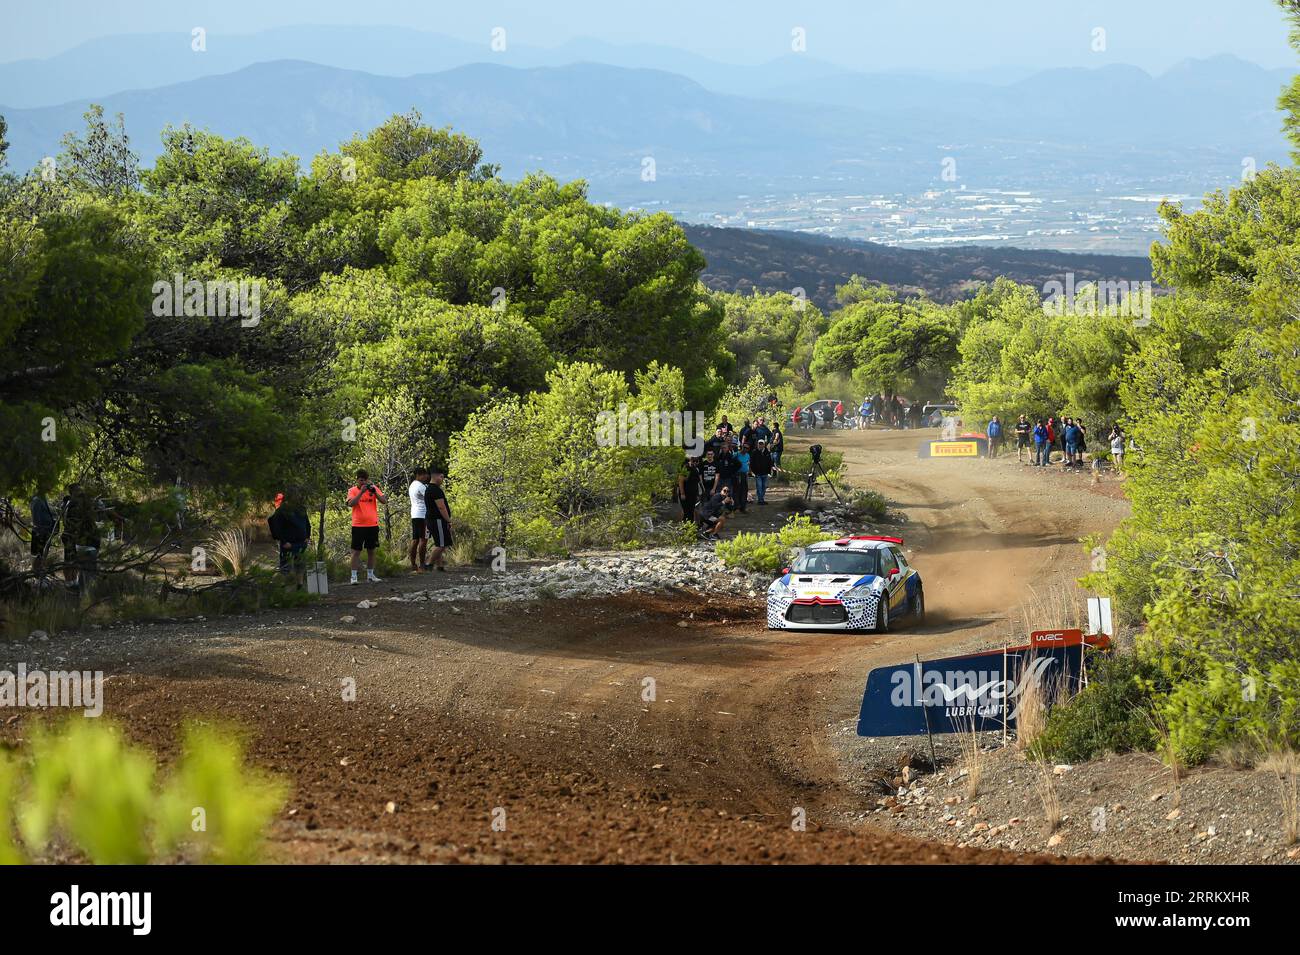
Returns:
(784,571)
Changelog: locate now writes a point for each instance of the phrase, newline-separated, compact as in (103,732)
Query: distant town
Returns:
(1118,223)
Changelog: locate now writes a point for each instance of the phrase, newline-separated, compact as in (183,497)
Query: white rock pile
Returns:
(605,574)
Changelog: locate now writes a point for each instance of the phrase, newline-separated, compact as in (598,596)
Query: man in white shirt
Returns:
(419,519)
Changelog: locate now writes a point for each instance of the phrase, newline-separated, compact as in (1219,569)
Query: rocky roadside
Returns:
(608,573)
(1120,806)
(601,574)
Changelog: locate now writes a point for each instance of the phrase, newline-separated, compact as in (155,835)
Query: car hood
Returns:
(826,586)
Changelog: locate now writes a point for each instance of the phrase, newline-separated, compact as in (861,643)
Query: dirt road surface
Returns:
(666,729)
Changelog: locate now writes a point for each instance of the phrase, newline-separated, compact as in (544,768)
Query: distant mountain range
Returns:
(598,121)
(114,64)
(584,119)
(730,144)
(768,260)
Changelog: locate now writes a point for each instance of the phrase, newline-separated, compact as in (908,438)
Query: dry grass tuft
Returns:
(1045,788)
(231,548)
(1168,753)
(1057,608)
(1284,764)
(972,756)
(1031,713)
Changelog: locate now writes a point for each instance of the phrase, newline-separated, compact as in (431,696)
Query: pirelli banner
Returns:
(965,446)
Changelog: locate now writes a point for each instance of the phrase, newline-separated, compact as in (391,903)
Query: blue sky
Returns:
(866,34)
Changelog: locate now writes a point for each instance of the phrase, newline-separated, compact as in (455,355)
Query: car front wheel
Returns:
(882,614)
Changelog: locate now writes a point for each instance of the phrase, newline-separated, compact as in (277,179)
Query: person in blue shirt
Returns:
(742,477)
(1073,444)
(1042,446)
(994,434)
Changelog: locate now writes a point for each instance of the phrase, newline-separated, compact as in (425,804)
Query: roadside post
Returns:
(925,711)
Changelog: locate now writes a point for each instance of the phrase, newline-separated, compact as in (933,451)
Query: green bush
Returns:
(768,553)
(131,598)
(1221,625)
(868,505)
(678,534)
(256,589)
(211,788)
(390,560)
(9,776)
(85,785)
(1224,709)
(574,466)
(52,611)
(89,785)
(753,552)
(1112,714)
(745,402)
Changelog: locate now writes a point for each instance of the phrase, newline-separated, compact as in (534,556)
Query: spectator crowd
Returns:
(888,411)
(1038,441)
(716,483)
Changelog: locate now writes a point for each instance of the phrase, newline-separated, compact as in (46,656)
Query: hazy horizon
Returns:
(944,36)
(909,126)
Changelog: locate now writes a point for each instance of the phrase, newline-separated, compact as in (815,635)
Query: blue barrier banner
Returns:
(953,694)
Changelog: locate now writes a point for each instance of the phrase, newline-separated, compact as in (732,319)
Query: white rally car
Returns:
(854,583)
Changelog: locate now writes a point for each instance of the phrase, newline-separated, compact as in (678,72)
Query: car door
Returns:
(907,575)
(893,584)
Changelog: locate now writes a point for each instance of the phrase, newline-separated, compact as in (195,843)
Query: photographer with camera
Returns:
(711,513)
(364,499)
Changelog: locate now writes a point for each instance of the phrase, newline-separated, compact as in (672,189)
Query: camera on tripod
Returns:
(815,452)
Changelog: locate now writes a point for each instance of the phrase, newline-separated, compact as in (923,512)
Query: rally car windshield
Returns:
(837,562)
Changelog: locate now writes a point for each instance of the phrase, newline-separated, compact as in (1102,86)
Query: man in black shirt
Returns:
(717,442)
(291,529)
(1023,430)
(43,524)
(80,534)
(728,476)
(760,465)
(439,520)
(688,487)
(708,475)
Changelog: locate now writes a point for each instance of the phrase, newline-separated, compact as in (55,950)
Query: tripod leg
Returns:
(829,483)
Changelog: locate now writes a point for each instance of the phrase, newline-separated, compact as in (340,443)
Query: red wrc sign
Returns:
(1069,637)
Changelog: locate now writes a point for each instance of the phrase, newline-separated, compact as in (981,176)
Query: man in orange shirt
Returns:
(364,499)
